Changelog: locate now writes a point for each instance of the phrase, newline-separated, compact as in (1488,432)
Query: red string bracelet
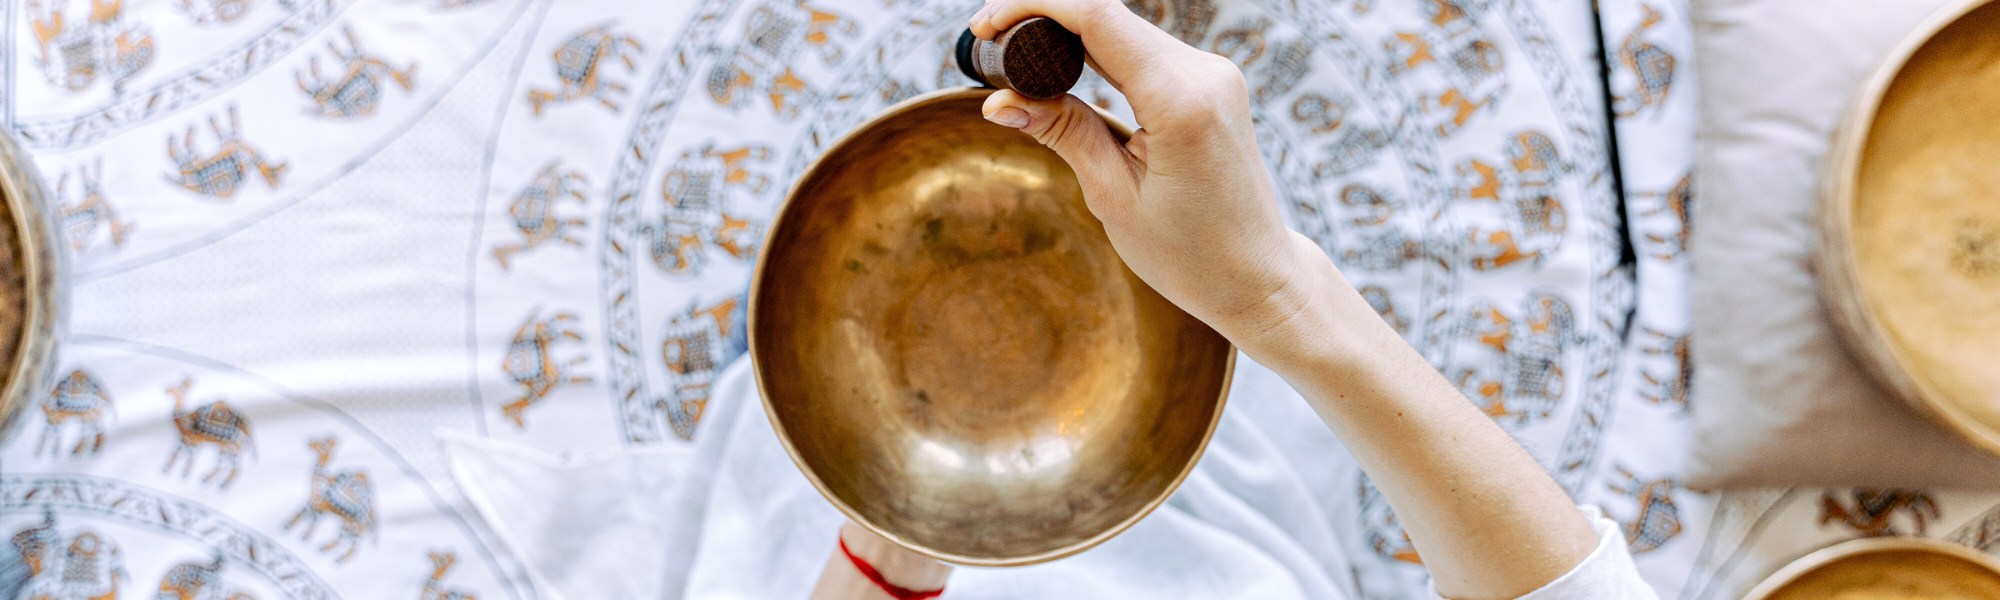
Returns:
(868,570)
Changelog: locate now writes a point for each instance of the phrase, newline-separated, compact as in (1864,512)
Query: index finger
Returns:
(1122,46)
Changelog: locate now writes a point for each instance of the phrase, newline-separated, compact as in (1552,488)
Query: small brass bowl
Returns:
(1909,230)
(1885,568)
(954,355)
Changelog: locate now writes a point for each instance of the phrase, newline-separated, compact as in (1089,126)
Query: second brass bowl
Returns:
(1885,568)
(952,352)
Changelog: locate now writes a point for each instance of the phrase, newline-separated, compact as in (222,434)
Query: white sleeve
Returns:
(1607,574)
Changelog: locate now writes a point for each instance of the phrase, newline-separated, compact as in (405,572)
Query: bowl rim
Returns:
(1790,572)
(44,277)
(757,367)
(1854,319)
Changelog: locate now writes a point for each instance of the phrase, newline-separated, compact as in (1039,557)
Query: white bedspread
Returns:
(403,298)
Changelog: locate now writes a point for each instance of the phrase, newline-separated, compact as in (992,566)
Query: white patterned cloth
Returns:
(384,298)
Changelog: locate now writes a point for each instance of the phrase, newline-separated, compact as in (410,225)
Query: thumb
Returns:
(1076,133)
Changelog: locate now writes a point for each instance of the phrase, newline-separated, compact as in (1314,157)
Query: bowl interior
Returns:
(1926,218)
(1885,568)
(954,354)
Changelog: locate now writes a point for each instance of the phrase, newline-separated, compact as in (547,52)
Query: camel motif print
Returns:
(762,61)
(534,211)
(356,91)
(580,64)
(1873,509)
(84,566)
(74,54)
(82,219)
(1525,380)
(1650,65)
(209,12)
(532,364)
(199,581)
(1525,188)
(214,424)
(1675,202)
(699,343)
(434,589)
(1469,69)
(344,495)
(1669,388)
(1658,519)
(693,218)
(221,174)
(79,398)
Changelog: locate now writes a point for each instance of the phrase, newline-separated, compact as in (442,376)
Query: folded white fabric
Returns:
(740,521)
(585,526)
(1779,402)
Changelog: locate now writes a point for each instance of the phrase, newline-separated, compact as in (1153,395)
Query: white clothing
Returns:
(1251,521)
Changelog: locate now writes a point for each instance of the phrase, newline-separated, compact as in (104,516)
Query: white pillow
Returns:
(1778,399)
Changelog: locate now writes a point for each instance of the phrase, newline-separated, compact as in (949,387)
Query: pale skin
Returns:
(1189,206)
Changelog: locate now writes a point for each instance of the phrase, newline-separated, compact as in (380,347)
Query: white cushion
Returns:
(1778,401)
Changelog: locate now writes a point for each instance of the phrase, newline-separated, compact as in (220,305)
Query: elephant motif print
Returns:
(74,54)
(693,214)
(762,61)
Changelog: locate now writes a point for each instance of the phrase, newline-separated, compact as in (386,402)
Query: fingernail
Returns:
(1008,116)
(981,15)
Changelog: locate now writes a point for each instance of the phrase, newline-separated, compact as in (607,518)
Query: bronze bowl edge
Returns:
(756,283)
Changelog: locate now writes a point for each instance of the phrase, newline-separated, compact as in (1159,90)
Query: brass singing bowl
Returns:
(1909,225)
(954,355)
(34,287)
(1885,568)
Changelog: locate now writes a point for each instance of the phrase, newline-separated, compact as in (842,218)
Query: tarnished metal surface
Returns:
(34,290)
(953,353)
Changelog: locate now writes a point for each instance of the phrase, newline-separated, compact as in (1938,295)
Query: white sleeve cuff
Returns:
(1607,574)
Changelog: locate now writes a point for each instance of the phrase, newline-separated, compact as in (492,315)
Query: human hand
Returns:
(1187,202)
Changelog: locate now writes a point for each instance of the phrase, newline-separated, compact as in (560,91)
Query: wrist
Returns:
(897,565)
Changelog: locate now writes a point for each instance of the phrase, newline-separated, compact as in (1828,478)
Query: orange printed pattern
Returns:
(1658,519)
(580,64)
(1651,65)
(534,367)
(213,424)
(347,496)
(91,211)
(86,565)
(220,174)
(534,211)
(74,54)
(78,398)
(356,91)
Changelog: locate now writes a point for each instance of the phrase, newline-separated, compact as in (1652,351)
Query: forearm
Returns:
(841,580)
(1488,522)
